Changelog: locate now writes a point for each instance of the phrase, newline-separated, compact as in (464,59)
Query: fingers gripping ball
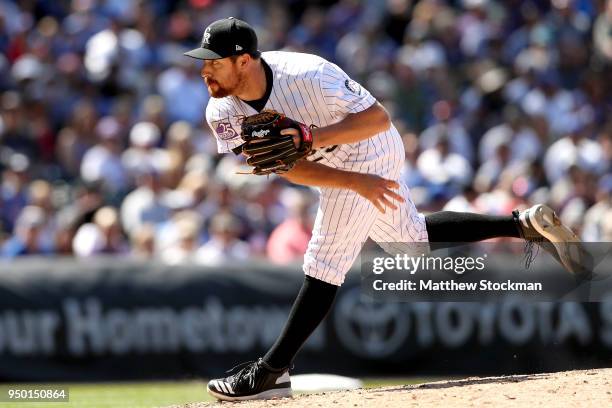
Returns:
(267,150)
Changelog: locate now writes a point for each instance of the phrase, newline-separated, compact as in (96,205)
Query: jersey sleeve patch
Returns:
(352,86)
(224,129)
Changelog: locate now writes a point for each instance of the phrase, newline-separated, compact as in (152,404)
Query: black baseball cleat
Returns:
(252,380)
(540,224)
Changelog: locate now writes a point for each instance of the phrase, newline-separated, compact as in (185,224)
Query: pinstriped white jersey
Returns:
(314,91)
(311,90)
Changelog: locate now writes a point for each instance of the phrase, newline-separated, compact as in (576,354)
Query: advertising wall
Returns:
(111,320)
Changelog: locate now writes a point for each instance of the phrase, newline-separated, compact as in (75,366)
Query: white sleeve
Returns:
(224,126)
(342,95)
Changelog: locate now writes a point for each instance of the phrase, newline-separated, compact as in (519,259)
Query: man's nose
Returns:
(205,71)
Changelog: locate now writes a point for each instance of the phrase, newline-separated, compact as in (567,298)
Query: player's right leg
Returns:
(541,224)
(538,224)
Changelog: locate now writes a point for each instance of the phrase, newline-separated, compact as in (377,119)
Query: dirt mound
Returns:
(563,389)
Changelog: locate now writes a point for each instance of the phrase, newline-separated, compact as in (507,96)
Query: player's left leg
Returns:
(268,377)
(251,380)
(342,225)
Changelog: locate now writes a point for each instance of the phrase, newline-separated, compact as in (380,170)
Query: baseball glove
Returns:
(266,149)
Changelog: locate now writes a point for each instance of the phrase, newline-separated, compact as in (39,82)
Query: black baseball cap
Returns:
(224,38)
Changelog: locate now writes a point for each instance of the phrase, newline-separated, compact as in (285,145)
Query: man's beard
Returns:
(219,91)
(222,92)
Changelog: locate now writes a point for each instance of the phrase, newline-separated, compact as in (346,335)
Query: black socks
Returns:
(309,309)
(316,297)
(449,226)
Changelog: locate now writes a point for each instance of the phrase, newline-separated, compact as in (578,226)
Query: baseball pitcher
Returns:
(302,117)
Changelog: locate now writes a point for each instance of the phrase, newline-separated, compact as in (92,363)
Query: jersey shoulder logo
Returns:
(353,86)
(224,129)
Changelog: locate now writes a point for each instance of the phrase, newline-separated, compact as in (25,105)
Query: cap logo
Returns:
(206,38)
(238,48)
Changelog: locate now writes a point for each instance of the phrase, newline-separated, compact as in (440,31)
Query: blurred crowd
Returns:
(104,147)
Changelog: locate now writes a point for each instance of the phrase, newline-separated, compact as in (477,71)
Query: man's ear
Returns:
(243,60)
